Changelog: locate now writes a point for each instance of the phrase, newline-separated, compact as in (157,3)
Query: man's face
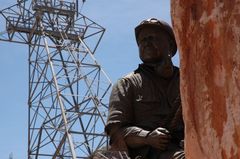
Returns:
(153,44)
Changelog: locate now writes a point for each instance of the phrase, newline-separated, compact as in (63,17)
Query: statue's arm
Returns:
(135,137)
(120,114)
(123,137)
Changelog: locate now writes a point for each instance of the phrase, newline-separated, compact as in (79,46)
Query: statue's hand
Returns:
(159,138)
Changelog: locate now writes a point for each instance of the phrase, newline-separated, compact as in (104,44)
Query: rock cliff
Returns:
(208,38)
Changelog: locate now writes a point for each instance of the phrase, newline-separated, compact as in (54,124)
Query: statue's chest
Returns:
(153,101)
(151,97)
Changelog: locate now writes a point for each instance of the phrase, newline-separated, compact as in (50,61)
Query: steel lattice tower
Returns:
(67,86)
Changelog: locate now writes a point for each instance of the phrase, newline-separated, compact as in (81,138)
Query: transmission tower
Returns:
(11,156)
(66,104)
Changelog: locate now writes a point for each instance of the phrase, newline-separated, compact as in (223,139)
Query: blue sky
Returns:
(117,53)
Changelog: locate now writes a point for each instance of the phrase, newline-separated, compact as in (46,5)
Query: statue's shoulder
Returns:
(177,71)
(131,76)
(176,68)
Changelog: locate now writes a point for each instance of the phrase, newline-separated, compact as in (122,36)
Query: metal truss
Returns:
(67,108)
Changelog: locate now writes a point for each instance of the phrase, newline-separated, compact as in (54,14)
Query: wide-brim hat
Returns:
(155,23)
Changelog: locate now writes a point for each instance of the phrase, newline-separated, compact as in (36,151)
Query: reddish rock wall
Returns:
(208,36)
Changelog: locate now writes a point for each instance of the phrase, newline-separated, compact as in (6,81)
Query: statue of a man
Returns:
(145,115)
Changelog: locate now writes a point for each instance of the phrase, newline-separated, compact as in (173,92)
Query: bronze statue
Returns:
(145,115)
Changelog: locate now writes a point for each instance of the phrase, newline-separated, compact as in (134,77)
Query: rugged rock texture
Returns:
(208,36)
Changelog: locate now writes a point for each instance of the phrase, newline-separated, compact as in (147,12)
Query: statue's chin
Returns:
(152,60)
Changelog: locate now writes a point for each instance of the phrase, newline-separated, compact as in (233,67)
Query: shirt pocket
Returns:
(152,105)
